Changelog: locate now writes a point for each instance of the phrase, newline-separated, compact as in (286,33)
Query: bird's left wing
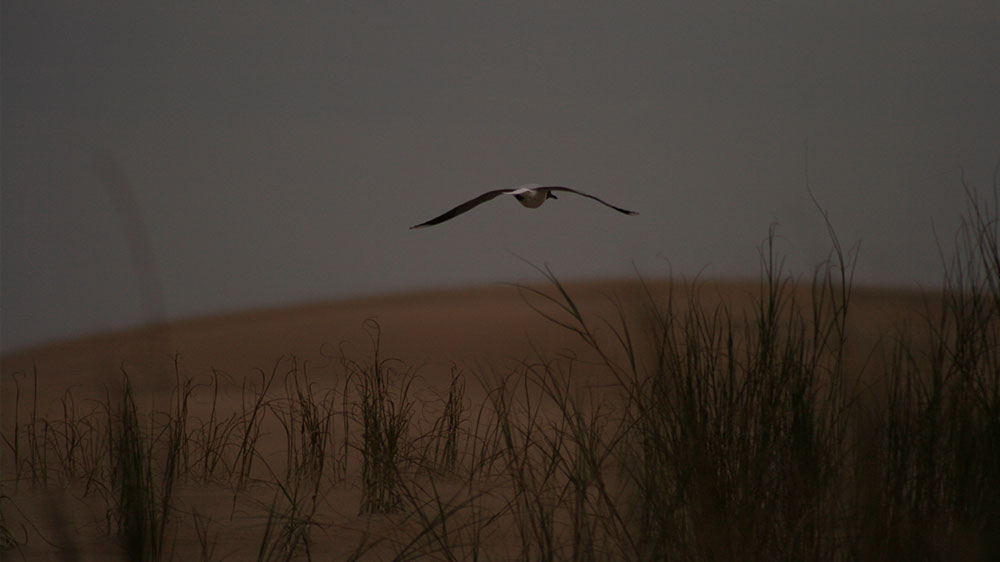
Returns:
(598,199)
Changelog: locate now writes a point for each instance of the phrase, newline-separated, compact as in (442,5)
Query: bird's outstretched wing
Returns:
(462,208)
(599,200)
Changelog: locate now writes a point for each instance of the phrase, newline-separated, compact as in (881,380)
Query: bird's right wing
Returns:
(462,208)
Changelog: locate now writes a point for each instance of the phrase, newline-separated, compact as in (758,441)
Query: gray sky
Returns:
(279,152)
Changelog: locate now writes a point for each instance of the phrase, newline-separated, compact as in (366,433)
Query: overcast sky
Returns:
(264,154)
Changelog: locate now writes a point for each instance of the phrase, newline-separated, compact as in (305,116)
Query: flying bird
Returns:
(530,196)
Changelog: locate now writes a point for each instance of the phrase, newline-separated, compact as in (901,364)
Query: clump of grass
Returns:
(250,426)
(727,438)
(306,416)
(938,494)
(738,435)
(384,410)
(13,440)
(444,436)
(143,508)
(532,460)
(33,437)
(212,439)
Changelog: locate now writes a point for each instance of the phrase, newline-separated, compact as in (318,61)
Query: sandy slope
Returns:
(421,328)
(428,329)
(474,330)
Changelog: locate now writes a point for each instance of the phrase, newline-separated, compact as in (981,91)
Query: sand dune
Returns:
(435,333)
(429,329)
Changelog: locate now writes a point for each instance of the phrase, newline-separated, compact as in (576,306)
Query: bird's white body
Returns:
(529,196)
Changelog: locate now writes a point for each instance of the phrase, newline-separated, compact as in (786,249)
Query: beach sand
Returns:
(478,333)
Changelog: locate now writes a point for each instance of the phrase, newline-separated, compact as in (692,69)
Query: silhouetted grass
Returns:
(384,410)
(144,493)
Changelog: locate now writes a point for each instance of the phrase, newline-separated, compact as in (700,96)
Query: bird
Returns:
(530,195)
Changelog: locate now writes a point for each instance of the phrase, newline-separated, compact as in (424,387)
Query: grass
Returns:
(683,432)
(142,511)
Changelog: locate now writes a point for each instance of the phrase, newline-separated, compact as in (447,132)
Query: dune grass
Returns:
(685,432)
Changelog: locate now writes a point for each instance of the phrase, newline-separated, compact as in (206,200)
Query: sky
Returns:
(170,160)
